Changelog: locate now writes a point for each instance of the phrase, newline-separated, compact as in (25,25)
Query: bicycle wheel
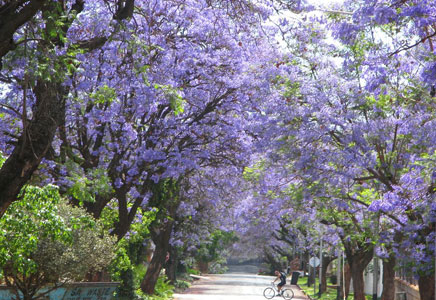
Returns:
(288,294)
(269,293)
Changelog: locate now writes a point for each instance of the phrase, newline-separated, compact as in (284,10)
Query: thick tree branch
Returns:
(13,15)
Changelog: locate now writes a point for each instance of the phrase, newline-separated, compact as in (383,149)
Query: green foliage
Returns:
(254,173)
(176,100)
(25,222)
(213,250)
(290,89)
(368,195)
(103,95)
(91,248)
(85,188)
(296,193)
(45,241)
(426,165)
(359,50)
(165,200)
(163,290)
(120,264)
(182,284)
(330,294)
(218,266)
(2,159)
(128,267)
(383,102)
(193,271)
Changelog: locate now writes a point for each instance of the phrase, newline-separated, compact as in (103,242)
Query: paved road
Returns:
(236,284)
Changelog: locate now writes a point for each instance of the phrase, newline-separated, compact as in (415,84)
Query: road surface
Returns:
(240,282)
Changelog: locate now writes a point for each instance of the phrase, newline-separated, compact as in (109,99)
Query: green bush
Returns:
(333,279)
(330,294)
(163,290)
(128,268)
(212,251)
(182,284)
(44,241)
(193,271)
(218,266)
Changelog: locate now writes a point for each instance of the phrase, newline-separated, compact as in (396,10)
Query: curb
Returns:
(196,277)
(304,292)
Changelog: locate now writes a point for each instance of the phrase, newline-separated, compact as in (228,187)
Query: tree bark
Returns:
(347,280)
(37,136)
(426,287)
(304,263)
(171,265)
(426,282)
(326,260)
(347,276)
(358,260)
(167,199)
(311,278)
(12,16)
(34,142)
(358,283)
(389,278)
(161,240)
(48,112)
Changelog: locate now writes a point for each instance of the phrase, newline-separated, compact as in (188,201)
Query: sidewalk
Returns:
(298,293)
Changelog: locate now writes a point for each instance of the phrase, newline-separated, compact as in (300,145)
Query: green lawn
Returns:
(329,295)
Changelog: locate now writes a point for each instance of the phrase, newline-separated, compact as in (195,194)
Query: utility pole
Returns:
(338,276)
(375,278)
(314,281)
(375,262)
(320,268)
(343,273)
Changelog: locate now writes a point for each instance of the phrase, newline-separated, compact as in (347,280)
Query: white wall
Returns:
(369,277)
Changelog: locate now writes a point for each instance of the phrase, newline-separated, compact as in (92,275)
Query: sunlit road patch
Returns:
(231,286)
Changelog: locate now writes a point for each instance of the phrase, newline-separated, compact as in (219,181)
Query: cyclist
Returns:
(282,277)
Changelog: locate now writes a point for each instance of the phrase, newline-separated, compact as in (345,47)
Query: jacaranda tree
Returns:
(134,100)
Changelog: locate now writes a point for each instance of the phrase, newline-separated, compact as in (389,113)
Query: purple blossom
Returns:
(384,15)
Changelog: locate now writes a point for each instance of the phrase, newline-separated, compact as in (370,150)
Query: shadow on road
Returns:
(241,282)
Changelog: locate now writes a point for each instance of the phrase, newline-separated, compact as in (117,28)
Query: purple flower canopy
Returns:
(271,125)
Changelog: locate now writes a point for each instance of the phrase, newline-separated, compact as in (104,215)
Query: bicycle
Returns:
(270,292)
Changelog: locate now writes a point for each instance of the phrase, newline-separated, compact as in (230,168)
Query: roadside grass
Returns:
(330,294)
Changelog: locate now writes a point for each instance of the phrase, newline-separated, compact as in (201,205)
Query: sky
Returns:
(324,2)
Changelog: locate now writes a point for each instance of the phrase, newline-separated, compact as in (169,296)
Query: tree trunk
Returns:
(347,280)
(358,283)
(166,198)
(34,142)
(161,240)
(358,261)
(389,278)
(427,287)
(326,260)
(304,263)
(310,280)
(49,110)
(171,265)
(347,276)
(13,16)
